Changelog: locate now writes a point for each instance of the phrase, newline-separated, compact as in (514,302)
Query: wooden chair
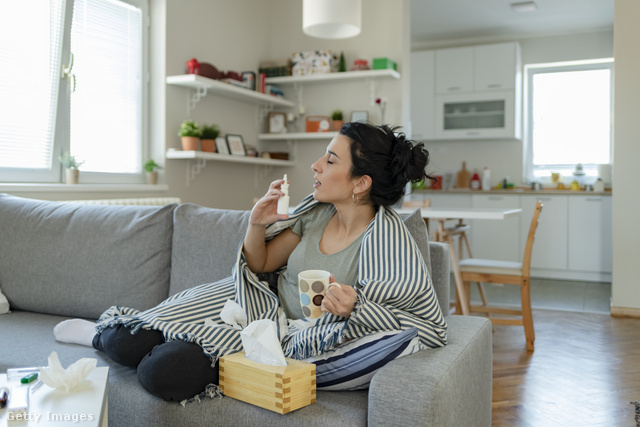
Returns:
(509,273)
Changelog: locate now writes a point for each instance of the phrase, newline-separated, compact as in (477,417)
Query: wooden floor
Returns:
(584,371)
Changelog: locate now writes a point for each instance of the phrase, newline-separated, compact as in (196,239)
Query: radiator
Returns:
(149,201)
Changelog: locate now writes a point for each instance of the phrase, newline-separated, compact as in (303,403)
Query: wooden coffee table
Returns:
(85,405)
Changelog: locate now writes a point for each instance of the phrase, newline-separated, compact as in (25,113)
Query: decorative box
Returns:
(384,63)
(317,124)
(314,62)
(279,389)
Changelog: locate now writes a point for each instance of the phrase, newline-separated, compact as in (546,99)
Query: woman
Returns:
(344,227)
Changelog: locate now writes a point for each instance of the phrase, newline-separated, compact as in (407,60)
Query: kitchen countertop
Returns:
(515,191)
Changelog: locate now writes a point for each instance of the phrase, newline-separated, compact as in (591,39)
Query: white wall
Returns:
(504,158)
(626,158)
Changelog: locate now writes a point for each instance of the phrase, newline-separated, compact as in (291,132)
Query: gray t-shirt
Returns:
(307,256)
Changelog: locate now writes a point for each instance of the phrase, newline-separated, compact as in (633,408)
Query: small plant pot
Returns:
(152,178)
(72,176)
(337,125)
(190,143)
(208,145)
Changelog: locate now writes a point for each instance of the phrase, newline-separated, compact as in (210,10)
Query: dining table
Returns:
(443,214)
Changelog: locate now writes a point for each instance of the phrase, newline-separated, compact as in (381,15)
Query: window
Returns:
(75,81)
(568,118)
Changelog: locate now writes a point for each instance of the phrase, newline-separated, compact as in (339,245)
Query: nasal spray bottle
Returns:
(283,202)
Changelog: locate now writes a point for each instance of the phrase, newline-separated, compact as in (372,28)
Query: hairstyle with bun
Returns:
(388,157)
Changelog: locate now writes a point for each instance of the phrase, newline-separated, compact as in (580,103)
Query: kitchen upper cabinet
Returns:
(550,244)
(497,66)
(496,239)
(422,94)
(454,70)
(590,233)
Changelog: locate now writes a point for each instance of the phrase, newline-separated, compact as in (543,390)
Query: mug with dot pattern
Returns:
(312,287)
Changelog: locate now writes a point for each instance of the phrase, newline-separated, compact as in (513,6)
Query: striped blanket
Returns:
(396,294)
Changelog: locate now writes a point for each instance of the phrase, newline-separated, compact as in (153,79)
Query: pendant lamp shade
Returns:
(332,19)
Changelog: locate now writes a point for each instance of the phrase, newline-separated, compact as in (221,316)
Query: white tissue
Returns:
(232,314)
(4,304)
(261,343)
(58,377)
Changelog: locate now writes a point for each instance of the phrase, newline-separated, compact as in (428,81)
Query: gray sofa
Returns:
(65,260)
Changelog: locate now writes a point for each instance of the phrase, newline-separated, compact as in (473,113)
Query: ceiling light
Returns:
(525,6)
(332,19)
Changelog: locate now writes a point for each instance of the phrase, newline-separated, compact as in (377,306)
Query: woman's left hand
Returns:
(339,300)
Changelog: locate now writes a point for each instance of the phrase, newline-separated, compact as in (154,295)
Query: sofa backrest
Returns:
(78,259)
(205,244)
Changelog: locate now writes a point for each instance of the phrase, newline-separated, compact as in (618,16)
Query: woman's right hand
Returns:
(265,211)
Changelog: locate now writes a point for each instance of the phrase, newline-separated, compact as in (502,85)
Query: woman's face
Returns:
(334,183)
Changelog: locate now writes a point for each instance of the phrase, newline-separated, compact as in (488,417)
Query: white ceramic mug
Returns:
(312,288)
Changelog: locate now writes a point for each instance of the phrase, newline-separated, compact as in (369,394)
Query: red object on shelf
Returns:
(193,66)
(475,181)
(437,185)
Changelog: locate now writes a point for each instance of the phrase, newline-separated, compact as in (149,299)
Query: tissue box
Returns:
(279,389)
(384,63)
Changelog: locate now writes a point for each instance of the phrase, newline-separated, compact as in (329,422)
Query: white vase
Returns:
(73,176)
(152,178)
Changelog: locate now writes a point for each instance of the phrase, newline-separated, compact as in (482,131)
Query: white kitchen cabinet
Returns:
(454,70)
(422,95)
(477,115)
(550,244)
(496,239)
(590,233)
(496,66)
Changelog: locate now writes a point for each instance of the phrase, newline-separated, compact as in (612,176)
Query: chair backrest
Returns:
(526,260)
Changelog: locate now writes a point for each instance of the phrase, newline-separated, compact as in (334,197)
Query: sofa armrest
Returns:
(449,386)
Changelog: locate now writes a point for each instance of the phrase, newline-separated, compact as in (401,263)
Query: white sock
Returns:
(75,331)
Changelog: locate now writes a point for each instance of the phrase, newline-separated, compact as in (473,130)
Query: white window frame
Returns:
(61,141)
(530,71)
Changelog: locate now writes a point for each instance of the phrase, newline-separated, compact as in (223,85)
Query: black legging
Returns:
(174,370)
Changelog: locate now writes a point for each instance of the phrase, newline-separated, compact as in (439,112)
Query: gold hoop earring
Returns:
(355,198)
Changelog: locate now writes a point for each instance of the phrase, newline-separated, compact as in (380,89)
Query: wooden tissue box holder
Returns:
(279,389)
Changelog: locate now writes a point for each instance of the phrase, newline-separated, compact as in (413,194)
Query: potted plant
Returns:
(152,171)
(190,133)
(208,137)
(337,119)
(71,165)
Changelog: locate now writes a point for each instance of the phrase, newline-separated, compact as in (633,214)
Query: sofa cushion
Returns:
(418,229)
(352,365)
(81,259)
(205,244)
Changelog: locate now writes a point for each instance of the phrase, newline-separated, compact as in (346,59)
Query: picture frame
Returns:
(236,145)
(221,145)
(277,122)
(360,116)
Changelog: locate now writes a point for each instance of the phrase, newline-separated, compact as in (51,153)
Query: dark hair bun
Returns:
(388,157)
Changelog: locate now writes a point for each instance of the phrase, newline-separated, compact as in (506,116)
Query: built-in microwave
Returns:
(478,115)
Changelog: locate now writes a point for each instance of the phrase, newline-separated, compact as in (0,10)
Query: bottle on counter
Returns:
(475,180)
(486,179)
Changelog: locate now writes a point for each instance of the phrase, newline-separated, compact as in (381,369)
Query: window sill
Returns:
(78,188)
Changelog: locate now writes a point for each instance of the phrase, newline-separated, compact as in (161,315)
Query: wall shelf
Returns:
(297,136)
(321,78)
(205,85)
(198,160)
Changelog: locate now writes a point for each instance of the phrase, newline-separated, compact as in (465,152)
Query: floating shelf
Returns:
(205,85)
(298,136)
(347,75)
(201,155)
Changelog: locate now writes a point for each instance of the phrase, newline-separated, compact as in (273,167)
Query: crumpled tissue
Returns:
(261,343)
(58,377)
